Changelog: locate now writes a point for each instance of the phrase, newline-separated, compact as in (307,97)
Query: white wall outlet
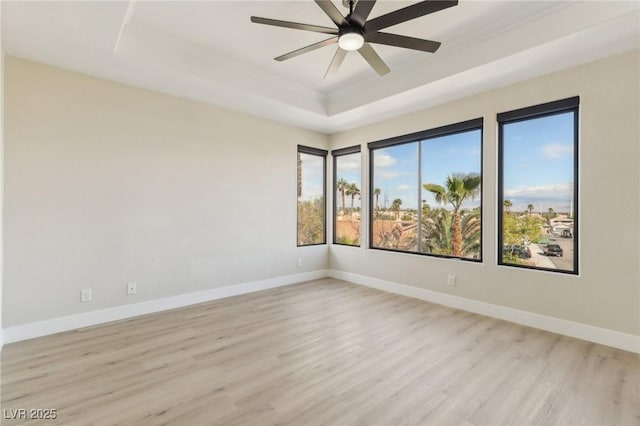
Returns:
(85,295)
(131,288)
(299,262)
(451,281)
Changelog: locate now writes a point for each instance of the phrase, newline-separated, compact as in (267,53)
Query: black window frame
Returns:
(547,109)
(356,149)
(419,137)
(302,149)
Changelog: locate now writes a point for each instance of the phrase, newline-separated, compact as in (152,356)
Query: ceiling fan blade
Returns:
(403,41)
(332,12)
(408,13)
(306,49)
(336,61)
(361,12)
(376,62)
(294,25)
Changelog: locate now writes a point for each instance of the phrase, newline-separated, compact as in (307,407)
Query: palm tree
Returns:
(551,215)
(299,178)
(457,189)
(352,190)
(342,187)
(437,235)
(395,206)
(437,232)
(507,205)
(471,229)
(530,208)
(377,193)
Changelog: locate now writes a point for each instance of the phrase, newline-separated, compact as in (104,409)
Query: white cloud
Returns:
(557,196)
(385,175)
(555,190)
(348,165)
(403,187)
(309,160)
(382,159)
(556,150)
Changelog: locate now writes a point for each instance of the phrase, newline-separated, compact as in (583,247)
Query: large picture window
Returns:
(311,196)
(538,187)
(425,194)
(347,177)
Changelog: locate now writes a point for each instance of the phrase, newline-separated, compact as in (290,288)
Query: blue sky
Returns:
(538,160)
(396,168)
(348,168)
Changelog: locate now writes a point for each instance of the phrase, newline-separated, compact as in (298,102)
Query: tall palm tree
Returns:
(352,191)
(377,193)
(551,215)
(458,188)
(299,178)
(530,208)
(342,187)
(395,206)
(507,205)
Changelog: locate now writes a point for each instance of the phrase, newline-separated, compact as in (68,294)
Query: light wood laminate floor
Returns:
(322,352)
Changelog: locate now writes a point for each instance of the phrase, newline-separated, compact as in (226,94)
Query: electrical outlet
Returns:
(299,262)
(85,295)
(451,281)
(131,288)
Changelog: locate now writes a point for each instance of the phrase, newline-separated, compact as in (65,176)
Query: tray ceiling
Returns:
(210,51)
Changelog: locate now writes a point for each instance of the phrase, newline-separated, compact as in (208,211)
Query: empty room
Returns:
(320,212)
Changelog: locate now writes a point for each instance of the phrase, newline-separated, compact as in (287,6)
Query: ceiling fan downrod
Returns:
(349,4)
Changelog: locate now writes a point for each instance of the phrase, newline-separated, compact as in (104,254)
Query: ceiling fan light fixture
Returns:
(351,41)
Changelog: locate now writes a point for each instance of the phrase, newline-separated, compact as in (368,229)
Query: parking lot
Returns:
(566,261)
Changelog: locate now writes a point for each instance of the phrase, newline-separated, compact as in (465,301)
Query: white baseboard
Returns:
(72,322)
(616,339)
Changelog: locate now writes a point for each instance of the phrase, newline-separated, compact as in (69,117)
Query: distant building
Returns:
(562,225)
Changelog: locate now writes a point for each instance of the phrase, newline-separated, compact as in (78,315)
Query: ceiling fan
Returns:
(354,32)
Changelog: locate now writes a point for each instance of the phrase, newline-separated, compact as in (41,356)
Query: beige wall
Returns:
(107,184)
(607,292)
(1,183)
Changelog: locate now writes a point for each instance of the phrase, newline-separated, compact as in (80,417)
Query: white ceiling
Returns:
(210,51)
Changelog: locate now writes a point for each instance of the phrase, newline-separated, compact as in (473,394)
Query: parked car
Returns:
(522,252)
(553,250)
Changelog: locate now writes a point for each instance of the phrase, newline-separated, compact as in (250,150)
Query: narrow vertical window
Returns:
(311,196)
(538,187)
(426,192)
(347,177)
